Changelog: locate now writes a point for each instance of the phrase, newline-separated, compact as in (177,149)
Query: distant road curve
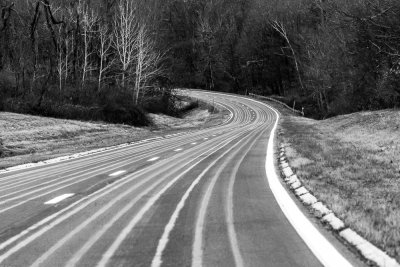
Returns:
(199,198)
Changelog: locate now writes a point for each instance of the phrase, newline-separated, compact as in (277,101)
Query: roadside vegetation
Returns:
(352,163)
(110,60)
(117,61)
(71,59)
(192,113)
(28,138)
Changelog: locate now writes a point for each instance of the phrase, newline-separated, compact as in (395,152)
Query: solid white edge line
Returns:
(319,245)
(325,252)
(278,188)
(58,199)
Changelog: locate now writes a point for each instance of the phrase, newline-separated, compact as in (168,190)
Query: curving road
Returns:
(198,198)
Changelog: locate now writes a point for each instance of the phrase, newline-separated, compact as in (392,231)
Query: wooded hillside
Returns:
(329,56)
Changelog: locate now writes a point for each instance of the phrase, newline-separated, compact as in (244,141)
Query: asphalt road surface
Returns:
(197,198)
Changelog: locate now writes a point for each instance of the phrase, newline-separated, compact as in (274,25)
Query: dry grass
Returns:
(193,119)
(29,138)
(352,163)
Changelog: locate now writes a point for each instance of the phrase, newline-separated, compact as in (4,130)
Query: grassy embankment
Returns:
(27,138)
(352,163)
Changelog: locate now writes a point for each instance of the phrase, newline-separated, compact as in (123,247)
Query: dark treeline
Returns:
(82,59)
(329,56)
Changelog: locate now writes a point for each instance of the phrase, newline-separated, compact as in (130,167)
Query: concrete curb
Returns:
(326,216)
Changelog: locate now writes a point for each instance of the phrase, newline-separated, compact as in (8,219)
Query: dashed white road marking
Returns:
(194,143)
(153,159)
(117,173)
(178,149)
(74,156)
(233,240)
(28,240)
(162,243)
(205,138)
(128,228)
(197,245)
(58,199)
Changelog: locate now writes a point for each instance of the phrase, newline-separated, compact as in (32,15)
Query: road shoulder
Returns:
(306,163)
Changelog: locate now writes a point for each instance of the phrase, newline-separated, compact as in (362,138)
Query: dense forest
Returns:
(114,59)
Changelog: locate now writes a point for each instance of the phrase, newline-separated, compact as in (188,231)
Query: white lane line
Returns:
(39,262)
(116,173)
(96,159)
(125,232)
(50,184)
(58,199)
(162,243)
(178,149)
(319,245)
(153,159)
(197,246)
(74,156)
(233,240)
(91,198)
(194,143)
(205,138)
(51,225)
(52,181)
(95,237)
(47,192)
(90,242)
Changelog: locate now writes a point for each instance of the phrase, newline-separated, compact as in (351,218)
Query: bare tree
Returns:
(207,30)
(34,43)
(207,38)
(147,62)
(60,57)
(69,47)
(125,35)
(280,28)
(104,52)
(64,46)
(89,19)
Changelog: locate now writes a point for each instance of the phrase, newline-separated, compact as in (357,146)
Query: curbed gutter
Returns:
(370,252)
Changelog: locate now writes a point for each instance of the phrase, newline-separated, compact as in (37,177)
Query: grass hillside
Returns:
(27,138)
(352,162)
